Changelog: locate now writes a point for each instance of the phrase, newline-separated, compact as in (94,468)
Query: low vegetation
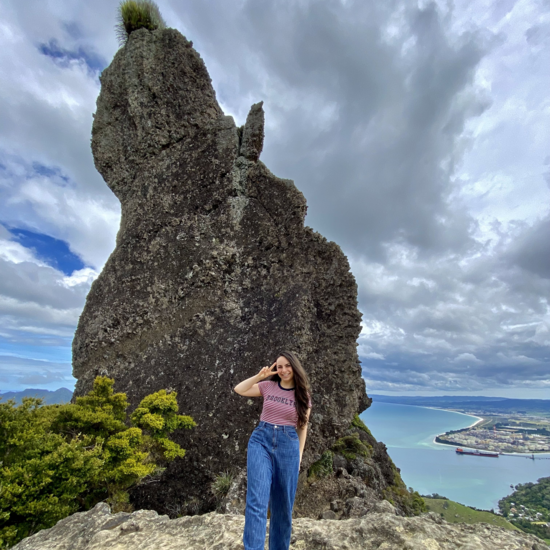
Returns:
(137,14)
(321,468)
(350,446)
(360,425)
(408,500)
(59,459)
(221,485)
(453,512)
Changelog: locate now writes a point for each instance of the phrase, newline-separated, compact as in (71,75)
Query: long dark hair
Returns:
(302,390)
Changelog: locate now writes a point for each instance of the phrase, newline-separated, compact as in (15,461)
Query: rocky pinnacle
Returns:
(213,274)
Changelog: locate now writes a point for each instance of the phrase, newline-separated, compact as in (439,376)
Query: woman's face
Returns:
(284,369)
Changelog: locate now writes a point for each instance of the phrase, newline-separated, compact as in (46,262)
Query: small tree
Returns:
(137,14)
(58,459)
(44,476)
(157,416)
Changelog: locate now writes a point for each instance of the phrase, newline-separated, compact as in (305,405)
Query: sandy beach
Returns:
(478,420)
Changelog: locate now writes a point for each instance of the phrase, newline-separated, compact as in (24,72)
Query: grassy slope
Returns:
(458,513)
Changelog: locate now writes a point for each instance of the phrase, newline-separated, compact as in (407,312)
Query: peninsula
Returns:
(504,425)
(502,434)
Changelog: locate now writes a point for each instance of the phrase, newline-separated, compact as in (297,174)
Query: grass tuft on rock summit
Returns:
(137,14)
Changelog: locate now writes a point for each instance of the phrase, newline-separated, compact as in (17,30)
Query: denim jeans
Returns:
(273,465)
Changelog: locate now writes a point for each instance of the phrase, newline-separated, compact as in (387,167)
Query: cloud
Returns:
(56,206)
(48,182)
(467,359)
(21,372)
(39,310)
(531,250)
(418,133)
(64,58)
(366,126)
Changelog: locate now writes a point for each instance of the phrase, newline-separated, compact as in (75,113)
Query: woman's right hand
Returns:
(267,371)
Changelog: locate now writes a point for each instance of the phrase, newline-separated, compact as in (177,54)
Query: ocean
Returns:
(428,467)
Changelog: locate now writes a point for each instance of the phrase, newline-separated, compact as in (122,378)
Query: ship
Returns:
(461,451)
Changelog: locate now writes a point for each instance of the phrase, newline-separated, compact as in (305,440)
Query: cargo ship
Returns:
(461,451)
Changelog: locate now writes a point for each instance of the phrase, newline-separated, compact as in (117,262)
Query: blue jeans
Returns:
(273,465)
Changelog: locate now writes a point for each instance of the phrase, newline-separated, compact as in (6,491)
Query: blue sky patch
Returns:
(63,57)
(54,252)
(48,172)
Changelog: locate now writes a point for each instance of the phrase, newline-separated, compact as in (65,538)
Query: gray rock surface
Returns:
(213,274)
(98,529)
(253,133)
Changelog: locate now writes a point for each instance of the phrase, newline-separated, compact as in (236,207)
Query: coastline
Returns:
(479,419)
(429,468)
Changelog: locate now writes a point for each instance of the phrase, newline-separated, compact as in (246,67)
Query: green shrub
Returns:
(321,468)
(137,14)
(221,485)
(350,446)
(408,500)
(157,415)
(59,459)
(358,423)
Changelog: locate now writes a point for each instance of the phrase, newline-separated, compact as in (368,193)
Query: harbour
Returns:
(428,467)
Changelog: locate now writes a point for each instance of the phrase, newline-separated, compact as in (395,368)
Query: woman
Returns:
(275,450)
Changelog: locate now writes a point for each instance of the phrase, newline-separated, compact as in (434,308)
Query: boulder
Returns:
(214,272)
(98,529)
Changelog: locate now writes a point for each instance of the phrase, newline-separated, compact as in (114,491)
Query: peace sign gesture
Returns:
(267,371)
(249,387)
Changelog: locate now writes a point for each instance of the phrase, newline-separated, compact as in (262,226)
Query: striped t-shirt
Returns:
(279,405)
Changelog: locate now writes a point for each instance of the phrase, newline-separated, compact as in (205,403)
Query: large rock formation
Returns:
(214,272)
(98,529)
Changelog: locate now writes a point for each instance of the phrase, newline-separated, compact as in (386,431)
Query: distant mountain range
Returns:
(470,403)
(62,395)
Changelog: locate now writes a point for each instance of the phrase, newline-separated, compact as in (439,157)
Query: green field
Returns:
(453,512)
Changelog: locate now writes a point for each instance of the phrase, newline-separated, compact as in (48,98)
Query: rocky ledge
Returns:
(98,529)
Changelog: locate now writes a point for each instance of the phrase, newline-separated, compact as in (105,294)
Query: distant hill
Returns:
(487,404)
(453,512)
(62,395)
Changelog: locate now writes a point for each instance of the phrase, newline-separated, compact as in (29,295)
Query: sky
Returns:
(419,133)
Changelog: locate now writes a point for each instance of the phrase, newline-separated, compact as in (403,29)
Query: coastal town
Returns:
(503,435)
(522,512)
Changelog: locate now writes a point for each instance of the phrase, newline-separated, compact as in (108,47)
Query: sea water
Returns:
(429,467)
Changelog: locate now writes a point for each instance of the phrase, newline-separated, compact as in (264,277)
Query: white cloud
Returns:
(46,116)
(22,372)
(14,252)
(50,206)
(467,359)
(418,133)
